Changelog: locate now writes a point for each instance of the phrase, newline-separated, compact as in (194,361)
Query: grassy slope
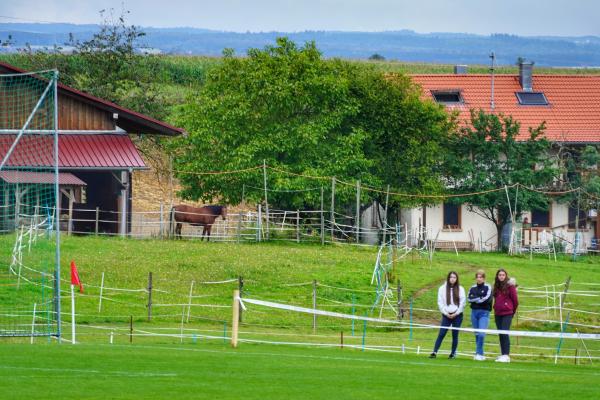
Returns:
(268,269)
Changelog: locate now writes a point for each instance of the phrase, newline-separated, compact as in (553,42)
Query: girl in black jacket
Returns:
(480,298)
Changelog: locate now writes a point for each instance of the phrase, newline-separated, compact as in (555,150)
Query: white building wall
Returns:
(476,229)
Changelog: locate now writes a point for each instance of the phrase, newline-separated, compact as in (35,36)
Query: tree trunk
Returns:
(499,233)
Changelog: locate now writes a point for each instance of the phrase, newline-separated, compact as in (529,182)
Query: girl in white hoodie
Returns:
(451,302)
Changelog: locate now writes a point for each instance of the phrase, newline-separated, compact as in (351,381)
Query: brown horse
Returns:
(196,216)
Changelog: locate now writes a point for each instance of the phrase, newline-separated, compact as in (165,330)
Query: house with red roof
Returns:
(570,107)
(96,159)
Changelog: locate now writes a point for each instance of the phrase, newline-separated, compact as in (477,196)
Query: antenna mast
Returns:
(492,70)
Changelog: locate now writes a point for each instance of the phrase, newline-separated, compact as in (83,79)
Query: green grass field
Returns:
(212,371)
(191,358)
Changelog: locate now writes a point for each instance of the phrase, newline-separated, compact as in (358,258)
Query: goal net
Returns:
(29,220)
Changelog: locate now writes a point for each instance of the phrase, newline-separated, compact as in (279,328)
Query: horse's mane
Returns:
(212,209)
(215,208)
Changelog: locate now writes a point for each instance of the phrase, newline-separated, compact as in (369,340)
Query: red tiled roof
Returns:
(64,178)
(75,151)
(573,113)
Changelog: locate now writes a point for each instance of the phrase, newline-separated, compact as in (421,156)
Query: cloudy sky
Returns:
(521,17)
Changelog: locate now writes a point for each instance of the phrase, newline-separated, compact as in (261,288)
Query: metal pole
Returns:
(239,226)
(353,311)
(512,222)
(399,302)
(560,340)
(259,223)
(149,296)
(124,196)
(357,211)
(314,299)
(241,290)
(576,241)
(410,327)
(190,302)
(332,222)
(33,322)
(563,296)
(101,290)
(364,333)
(322,219)
(161,223)
(72,314)
(181,325)
(492,70)
(70,220)
(385,214)
(97,220)
(57,213)
(297,226)
(266,198)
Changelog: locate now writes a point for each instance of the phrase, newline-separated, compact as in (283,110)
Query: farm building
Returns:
(96,160)
(570,107)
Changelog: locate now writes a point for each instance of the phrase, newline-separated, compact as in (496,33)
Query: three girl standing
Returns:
(451,302)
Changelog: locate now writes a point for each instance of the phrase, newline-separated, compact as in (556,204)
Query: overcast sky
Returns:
(521,17)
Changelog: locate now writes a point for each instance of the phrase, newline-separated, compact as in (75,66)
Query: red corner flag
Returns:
(75,281)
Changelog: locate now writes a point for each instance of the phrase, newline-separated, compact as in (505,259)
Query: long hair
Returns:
(500,286)
(455,297)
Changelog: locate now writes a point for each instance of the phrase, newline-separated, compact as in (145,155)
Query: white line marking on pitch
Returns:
(509,368)
(92,371)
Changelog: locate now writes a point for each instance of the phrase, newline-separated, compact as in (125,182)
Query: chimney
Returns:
(525,75)
(460,69)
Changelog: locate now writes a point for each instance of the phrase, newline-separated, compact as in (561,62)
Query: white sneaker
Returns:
(478,357)
(503,359)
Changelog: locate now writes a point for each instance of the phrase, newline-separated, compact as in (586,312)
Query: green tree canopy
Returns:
(580,171)
(488,155)
(310,116)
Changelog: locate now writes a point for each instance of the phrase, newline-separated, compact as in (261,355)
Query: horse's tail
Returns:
(171,221)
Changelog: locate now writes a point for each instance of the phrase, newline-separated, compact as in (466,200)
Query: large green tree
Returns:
(489,154)
(287,105)
(579,167)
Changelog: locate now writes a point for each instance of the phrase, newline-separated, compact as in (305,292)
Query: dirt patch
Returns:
(420,292)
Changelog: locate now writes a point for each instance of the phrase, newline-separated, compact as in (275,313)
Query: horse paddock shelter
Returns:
(96,160)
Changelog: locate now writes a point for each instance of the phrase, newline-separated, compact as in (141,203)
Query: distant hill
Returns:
(404,45)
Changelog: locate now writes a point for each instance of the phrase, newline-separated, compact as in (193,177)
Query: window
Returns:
(452,216)
(573,217)
(540,218)
(532,98)
(447,96)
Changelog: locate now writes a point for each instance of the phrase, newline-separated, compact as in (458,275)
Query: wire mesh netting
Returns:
(28,191)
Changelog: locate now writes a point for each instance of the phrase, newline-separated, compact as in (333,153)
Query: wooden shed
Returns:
(96,160)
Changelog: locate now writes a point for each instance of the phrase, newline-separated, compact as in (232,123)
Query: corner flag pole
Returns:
(75,281)
(73,313)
